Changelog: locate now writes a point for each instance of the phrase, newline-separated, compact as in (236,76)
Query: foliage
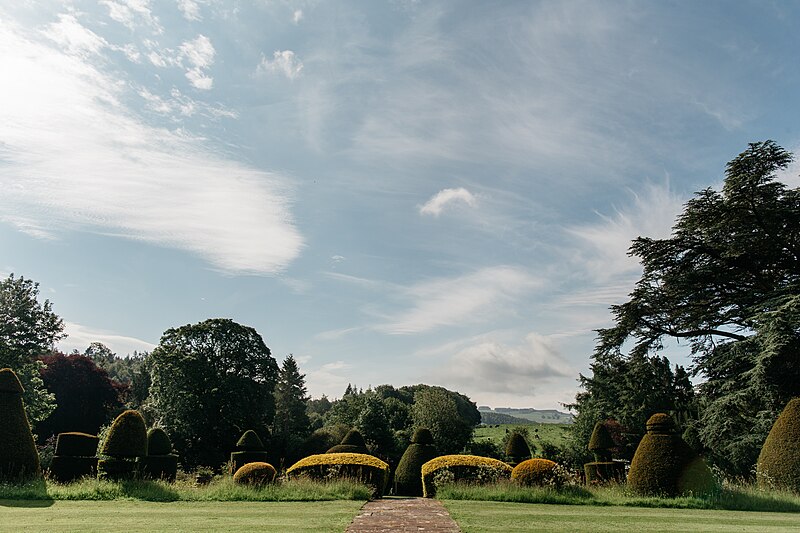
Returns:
(408,474)
(291,425)
(435,409)
(599,472)
(250,442)
(241,458)
(323,439)
(255,474)
(665,465)
(127,437)
(209,381)
(158,442)
(454,468)
(86,397)
(67,468)
(778,464)
(163,466)
(19,458)
(728,281)
(373,423)
(358,466)
(540,472)
(601,443)
(131,372)
(517,449)
(76,444)
(353,442)
(28,329)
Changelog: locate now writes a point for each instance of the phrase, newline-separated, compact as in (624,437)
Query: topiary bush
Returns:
(19,459)
(255,474)
(353,442)
(454,468)
(664,465)
(126,440)
(160,462)
(361,467)
(517,449)
(249,449)
(408,474)
(778,465)
(602,470)
(75,457)
(539,472)
(601,443)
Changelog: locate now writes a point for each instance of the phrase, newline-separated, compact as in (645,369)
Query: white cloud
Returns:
(190,10)
(72,37)
(283,62)
(130,12)
(297,16)
(73,157)
(490,366)
(445,198)
(199,53)
(468,299)
(329,378)
(79,337)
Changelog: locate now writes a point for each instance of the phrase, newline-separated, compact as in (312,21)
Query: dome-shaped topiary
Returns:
(517,449)
(422,436)
(779,461)
(600,443)
(365,468)
(540,472)
(19,458)
(408,474)
(250,442)
(255,474)
(127,436)
(665,465)
(353,442)
(158,442)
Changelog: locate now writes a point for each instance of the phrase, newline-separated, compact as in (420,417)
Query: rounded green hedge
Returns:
(600,443)
(158,442)
(422,436)
(250,442)
(158,467)
(408,474)
(19,458)
(454,468)
(778,464)
(255,474)
(127,436)
(76,444)
(664,465)
(353,442)
(65,468)
(537,472)
(239,459)
(517,449)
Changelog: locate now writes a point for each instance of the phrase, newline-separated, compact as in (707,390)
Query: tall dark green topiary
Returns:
(778,464)
(160,462)
(517,449)
(19,458)
(249,449)
(408,474)
(126,440)
(600,443)
(665,465)
(75,457)
(602,469)
(353,442)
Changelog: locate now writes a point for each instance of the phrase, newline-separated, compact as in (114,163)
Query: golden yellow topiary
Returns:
(362,467)
(255,474)
(536,471)
(471,468)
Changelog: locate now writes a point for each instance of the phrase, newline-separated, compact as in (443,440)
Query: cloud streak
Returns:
(73,156)
(283,62)
(447,198)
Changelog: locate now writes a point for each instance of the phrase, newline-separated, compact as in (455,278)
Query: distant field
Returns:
(553,433)
(133,516)
(480,517)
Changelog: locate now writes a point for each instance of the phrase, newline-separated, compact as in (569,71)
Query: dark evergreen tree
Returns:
(291,425)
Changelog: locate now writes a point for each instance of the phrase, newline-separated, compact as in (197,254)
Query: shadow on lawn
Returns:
(149,491)
(30,494)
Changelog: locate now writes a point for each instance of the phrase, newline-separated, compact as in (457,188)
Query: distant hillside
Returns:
(510,415)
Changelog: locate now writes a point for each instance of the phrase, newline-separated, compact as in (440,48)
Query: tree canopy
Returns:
(211,381)
(727,281)
(291,425)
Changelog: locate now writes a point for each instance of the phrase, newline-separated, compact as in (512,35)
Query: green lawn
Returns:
(480,517)
(131,516)
(553,433)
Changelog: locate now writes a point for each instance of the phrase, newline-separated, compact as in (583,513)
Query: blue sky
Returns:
(395,192)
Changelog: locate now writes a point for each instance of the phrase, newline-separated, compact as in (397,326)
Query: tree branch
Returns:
(692,333)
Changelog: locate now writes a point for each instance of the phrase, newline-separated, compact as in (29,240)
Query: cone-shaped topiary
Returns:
(600,443)
(779,461)
(353,442)
(255,474)
(126,440)
(408,474)
(19,458)
(517,449)
(665,465)
(250,449)
(250,442)
(74,457)
(159,463)
(602,469)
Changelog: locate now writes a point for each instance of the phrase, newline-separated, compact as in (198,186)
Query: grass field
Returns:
(133,516)
(480,517)
(552,433)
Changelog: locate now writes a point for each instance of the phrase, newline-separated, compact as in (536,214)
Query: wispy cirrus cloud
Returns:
(79,337)
(132,13)
(447,198)
(73,156)
(283,62)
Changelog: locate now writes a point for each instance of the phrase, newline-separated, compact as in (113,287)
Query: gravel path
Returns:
(403,515)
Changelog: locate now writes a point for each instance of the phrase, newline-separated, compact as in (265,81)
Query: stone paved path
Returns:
(403,515)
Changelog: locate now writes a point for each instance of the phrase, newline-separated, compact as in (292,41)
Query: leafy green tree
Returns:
(373,423)
(291,425)
(211,381)
(28,329)
(728,282)
(131,371)
(435,409)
